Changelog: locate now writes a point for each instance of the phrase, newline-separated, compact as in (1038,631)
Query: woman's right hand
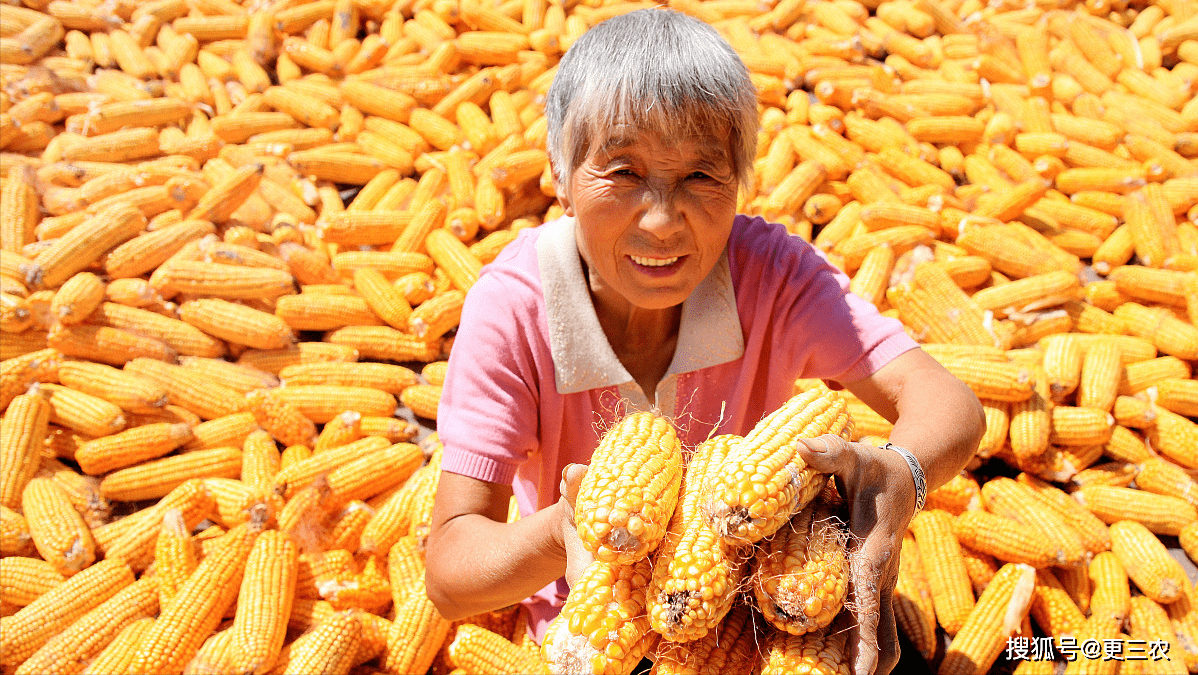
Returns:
(577,556)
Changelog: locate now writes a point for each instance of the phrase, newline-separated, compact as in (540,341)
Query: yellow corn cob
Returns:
(264,603)
(84,244)
(479,650)
(342,429)
(996,617)
(802,575)
(117,656)
(321,403)
(437,316)
(69,651)
(1003,538)
(84,413)
(1161,514)
(933,305)
(232,375)
(231,430)
(196,609)
(389,378)
(113,346)
(1135,413)
(1052,608)
(20,214)
(1008,498)
(181,337)
(291,479)
(1168,333)
(585,639)
(1100,374)
(913,610)
(959,494)
(1164,478)
(676,609)
(392,264)
(944,568)
(156,478)
(58,531)
(1147,562)
(822,652)
(1178,395)
(307,311)
(23,580)
(78,297)
(741,514)
(622,516)
(1182,615)
(174,555)
(280,417)
(236,500)
(1111,592)
(237,323)
(1175,437)
(187,388)
(1080,426)
(230,282)
(422,399)
(995,381)
(130,447)
(1093,532)
(14,533)
(21,430)
(34,625)
(371,474)
(126,390)
(132,538)
(1150,622)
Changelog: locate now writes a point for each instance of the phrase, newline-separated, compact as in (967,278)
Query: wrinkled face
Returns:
(653,215)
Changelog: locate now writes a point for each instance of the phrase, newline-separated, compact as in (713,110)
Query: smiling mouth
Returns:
(654,262)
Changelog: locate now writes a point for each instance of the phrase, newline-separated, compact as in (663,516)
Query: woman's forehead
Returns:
(621,137)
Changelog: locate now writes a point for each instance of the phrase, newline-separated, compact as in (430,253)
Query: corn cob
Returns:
(1174,437)
(117,656)
(478,650)
(126,390)
(156,478)
(1150,621)
(84,244)
(279,417)
(1003,538)
(944,568)
(237,323)
(822,652)
(181,337)
(371,474)
(264,603)
(802,575)
(1093,532)
(767,456)
(59,533)
(23,426)
(321,403)
(1111,592)
(34,625)
(623,534)
(196,609)
(130,447)
(1006,497)
(1161,514)
(995,617)
(676,610)
(913,610)
(84,413)
(1147,562)
(614,640)
(174,555)
(23,580)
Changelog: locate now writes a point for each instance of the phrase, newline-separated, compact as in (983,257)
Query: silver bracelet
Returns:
(921,484)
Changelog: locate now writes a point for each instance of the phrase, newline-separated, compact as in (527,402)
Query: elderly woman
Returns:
(652,293)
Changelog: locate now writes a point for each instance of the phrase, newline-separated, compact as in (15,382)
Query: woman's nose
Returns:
(662,217)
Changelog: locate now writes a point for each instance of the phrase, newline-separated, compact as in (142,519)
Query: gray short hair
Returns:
(654,69)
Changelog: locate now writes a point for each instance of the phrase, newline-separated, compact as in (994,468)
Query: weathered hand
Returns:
(878,487)
(577,556)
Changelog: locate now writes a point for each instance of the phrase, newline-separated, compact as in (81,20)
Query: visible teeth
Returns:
(654,262)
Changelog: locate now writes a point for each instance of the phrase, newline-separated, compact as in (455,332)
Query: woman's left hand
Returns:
(880,492)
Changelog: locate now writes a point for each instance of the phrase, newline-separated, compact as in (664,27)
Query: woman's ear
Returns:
(563,195)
